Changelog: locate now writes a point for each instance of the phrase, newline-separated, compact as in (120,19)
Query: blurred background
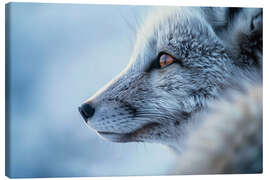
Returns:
(60,55)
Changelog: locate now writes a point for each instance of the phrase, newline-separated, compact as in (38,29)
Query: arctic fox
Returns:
(194,84)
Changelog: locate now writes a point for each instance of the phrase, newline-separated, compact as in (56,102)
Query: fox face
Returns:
(179,64)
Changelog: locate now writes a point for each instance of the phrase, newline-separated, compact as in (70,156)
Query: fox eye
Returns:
(165,60)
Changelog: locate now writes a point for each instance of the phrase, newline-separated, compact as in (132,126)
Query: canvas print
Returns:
(118,90)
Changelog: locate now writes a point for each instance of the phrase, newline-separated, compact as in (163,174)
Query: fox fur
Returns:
(207,105)
(230,138)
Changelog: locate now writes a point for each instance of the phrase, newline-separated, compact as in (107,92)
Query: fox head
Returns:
(183,58)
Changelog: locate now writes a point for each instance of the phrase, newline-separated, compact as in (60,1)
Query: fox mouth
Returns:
(127,137)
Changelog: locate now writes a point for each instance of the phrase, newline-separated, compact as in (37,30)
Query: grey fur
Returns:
(229,140)
(217,49)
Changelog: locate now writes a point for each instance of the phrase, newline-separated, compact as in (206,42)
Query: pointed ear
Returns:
(241,31)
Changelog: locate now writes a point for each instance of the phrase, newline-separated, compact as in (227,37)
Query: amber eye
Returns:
(165,60)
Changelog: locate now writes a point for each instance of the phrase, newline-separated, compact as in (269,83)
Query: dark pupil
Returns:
(163,59)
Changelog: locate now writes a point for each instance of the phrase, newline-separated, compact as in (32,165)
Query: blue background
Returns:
(60,55)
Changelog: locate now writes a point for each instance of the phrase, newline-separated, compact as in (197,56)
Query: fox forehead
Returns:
(166,34)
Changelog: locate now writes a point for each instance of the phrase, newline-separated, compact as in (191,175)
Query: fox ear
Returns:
(245,37)
(241,31)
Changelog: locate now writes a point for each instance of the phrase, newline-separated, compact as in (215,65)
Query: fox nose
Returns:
(87,111)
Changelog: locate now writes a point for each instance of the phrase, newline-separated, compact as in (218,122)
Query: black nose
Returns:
(86,111)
